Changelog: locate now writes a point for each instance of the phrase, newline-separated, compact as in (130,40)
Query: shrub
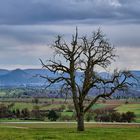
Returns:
(35,113)
(52,115)
(126,102)
(115,117)
(25,113)
(89,116)
(128,117)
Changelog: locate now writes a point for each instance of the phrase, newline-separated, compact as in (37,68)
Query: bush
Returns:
(128,117)
(35,113)
(126,102)
(52,115)
(17,113)
(25,113)
(102,118)
(89,116)
(5,112)
(115,117)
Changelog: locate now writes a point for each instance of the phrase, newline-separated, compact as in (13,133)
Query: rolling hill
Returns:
(28,77)
(20,77)
(3,71)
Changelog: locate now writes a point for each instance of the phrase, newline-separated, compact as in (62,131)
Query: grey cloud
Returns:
(45,11)
(28,26)
(123,35)
(25,34)
(23,45)
(17,37)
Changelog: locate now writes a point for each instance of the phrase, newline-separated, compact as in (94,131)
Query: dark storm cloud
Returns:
(45,11)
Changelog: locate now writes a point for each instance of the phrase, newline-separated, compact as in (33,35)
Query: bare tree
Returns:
(85,54)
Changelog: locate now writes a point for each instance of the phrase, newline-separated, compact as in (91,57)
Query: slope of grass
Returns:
(22,106)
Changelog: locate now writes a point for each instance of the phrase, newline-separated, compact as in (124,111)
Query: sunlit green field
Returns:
(67,132)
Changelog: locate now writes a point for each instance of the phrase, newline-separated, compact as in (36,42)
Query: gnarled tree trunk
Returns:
(80,119)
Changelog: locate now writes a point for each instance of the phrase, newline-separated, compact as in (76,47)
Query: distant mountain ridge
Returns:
(3,71)
(28,77)
(18,77)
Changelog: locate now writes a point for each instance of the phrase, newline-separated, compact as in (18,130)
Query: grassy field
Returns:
(64,113)
(23,105)
(130,107)
(48,104)
(68,131)
(97,106)
(29,105)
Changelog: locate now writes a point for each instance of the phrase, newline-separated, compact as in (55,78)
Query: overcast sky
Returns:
(28,28)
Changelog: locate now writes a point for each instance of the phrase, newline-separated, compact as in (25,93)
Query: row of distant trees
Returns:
(34,114)
(115,117)
(25,113)
(7,111)
(53,115)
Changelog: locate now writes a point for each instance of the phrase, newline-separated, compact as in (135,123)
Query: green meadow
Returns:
(67,131)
